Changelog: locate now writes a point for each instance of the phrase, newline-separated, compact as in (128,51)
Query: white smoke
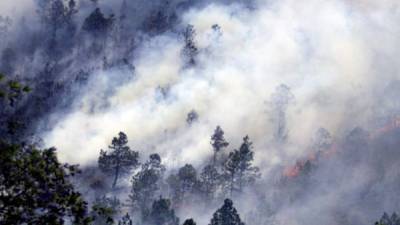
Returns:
(15,7)
(336,56)
(328,52)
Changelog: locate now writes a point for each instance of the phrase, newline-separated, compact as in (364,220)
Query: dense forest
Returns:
(213,112)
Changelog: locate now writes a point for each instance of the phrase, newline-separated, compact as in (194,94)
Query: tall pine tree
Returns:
(146,184)
(209,179)
(218,142)
(120,160)
(238,168)
(226,215)
(162,214)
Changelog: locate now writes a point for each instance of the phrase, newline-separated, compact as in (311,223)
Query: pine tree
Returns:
(183,183)
(226,215)
(56,16)
(97,24)
(120,160)
(280,101)
(125,220)
(218,142)
(388,220)
(192,117)
(146,184)
(188,178)
(209,179)
(162,214)
(246,172)
(190,50)
(35,188)
(104,209)
(238,167)
(189,222)
(231,167)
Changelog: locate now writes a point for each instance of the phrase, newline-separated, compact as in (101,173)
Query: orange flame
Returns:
(294,171)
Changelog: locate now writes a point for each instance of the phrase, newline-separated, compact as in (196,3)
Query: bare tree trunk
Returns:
(215,158)
(232,179)
(240,181)
(116,177)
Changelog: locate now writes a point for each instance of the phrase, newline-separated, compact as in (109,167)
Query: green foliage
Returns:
(226,215)
(35,188)
(14,85)
(12,90)
(26,89)
(104,209)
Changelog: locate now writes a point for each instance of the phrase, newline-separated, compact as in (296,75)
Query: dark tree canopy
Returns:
(146,184)
(218,142)
(162,214)
(35,188)
(389,220)
(125,220)
(104,209)
(209,181)
(97,24)
(120,160)
(11,91)
(183,183)
(226,215)
(189,222)
(192,117)
(238,168)
(190,50)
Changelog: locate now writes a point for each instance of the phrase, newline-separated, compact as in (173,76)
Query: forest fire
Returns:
(394,124)
(295,170)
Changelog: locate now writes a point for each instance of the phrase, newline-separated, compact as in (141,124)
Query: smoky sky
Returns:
(339,60)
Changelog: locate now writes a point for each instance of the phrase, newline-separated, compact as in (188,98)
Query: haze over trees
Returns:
(53,55)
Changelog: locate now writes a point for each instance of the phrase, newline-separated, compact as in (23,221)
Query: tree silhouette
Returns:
(120,160)
(162,214)
(146,184)
(226,215)
(35,188)
(280,101)
(238,167)
(209,179)
(189,222)
(218,142)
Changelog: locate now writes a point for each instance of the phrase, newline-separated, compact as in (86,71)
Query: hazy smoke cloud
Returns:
(328,53)
(338,58)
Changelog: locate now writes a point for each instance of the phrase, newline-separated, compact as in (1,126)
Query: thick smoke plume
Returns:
(278,71)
